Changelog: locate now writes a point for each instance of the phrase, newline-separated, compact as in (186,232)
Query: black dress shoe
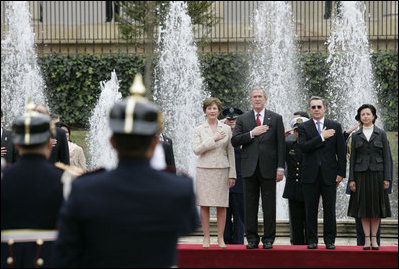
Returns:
(267,245)
(252,245)
(330,246)
(312,246)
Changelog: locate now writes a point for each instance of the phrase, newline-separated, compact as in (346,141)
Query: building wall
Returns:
(80,26)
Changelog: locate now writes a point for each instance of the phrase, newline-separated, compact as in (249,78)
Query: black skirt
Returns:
(370,199)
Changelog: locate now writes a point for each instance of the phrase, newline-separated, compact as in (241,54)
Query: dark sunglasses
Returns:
(314,107)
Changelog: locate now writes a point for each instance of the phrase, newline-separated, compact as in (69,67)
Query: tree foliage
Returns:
(135,13)
(140,18)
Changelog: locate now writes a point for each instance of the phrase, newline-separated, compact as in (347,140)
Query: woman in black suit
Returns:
(369,174)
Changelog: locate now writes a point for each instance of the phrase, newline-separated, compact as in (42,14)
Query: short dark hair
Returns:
(54,116)
(302,114)
(316,98)
(62,124)
(212,101)
(371,107)
(128,144)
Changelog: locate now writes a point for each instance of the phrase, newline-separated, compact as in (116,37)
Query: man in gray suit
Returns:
(261,134)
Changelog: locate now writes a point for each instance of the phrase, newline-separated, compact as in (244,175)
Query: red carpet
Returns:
(237,256)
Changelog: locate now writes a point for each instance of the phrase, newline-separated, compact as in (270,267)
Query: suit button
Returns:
(39,262)
(297,174)
(297,168)
(10,260)
(297,163)
(296,180)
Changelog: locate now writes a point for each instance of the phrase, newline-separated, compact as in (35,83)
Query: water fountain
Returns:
(274,67)
(101,152)
(179,87)
(20,73)
(351,79)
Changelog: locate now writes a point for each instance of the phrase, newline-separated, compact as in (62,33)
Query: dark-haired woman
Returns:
(369,175)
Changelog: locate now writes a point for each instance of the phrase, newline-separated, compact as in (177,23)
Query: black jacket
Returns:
(293,181)
(60,152)
(267,149)
(31,197)
(372,154)
(330,152)
(6,141)
(167,145)
(114,218)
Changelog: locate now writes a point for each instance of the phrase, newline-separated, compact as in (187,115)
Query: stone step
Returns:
(345,228)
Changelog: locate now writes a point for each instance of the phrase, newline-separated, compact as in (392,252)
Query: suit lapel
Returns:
(251,119)
(374,134)
(266,118)
(312,128)
(208,129)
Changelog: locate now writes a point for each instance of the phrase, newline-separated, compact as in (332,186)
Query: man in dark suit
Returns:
(235,227)
(260,132)
(323,168)
(31,196)
(130,216)
(8,151)
(60,150)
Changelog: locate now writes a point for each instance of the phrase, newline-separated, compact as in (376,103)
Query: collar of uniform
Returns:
(130,161)
(33,157)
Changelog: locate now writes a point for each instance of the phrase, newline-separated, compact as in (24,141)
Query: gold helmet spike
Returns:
(30,107)
(137,88)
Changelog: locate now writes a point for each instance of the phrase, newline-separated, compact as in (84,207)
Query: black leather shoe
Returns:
(312,246)
(330,246)
(267,245)
(252,245)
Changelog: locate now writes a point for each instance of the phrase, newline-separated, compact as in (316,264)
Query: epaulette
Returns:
(76,171)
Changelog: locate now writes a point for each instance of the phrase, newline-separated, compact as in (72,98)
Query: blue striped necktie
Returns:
(318,127)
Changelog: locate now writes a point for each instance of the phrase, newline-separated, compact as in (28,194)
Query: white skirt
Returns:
(212,187)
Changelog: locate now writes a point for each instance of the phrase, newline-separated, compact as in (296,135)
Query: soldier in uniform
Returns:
(130,216)
(31,195)
(235,227)
(293,187)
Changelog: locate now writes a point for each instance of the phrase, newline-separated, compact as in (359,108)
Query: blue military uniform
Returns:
(235,225)
(293,188)
(130,216)
(31,196)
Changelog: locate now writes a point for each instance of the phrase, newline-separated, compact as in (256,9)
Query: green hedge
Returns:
(73,81)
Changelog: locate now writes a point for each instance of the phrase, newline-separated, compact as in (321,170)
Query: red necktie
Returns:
(258,123)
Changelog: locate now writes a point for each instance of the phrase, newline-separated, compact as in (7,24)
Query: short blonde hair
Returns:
(212,101)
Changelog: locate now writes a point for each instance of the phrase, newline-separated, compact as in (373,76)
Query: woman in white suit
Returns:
(215,169)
